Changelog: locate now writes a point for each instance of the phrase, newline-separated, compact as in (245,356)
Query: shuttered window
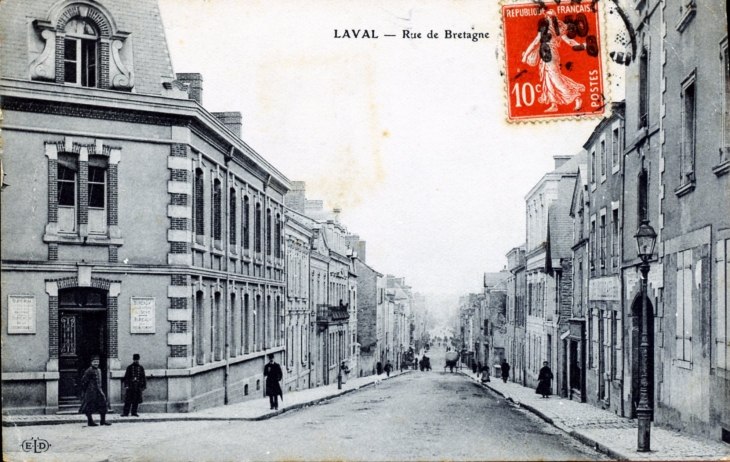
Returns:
(722,333)
(684,306)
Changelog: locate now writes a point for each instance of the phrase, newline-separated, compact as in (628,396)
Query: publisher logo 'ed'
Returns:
(36,445)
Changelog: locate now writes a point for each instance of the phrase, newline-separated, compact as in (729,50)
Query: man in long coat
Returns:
(273,374)
(135,383)
(93,399)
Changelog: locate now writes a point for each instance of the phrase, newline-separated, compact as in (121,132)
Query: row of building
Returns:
(570,294)
(136,221)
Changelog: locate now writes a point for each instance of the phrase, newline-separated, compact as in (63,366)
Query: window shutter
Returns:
(723,297)
(687,305)
(680,306)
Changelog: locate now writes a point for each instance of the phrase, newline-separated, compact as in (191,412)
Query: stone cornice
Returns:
(143,104)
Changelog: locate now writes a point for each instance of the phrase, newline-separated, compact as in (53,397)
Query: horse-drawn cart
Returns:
(452,360)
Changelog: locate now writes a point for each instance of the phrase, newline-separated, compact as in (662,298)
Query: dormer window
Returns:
(81,53)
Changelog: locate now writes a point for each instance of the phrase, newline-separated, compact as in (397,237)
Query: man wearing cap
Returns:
(135,383)
(93,399)
(273,374)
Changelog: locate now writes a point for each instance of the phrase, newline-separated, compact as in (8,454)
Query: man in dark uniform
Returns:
(135,383)
(273,374)
(93,399)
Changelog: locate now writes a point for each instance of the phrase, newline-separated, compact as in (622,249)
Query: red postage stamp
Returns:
(553,59)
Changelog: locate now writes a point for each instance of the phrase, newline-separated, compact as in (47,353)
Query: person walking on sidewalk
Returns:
(505,370)
(379,368)
(135,383)
(544,380)
(388,368)
(485,373)
(273,374)
(93,399)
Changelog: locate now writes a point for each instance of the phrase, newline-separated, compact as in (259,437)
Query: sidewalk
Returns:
(606,432)
(253,409)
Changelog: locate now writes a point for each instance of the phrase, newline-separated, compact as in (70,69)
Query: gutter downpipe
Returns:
(228,280)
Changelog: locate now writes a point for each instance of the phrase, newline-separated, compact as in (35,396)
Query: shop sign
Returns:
(21,314)
(142,312)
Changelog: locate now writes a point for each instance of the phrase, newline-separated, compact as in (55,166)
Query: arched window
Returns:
(199,204)
(232,217)
(81,53)
(257,229)
(277,237)
(245,224)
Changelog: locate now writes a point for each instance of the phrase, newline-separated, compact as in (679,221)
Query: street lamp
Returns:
(645,240)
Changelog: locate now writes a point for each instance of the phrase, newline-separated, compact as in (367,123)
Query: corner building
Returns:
(140,222)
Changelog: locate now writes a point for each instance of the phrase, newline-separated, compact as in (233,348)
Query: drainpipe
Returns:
(228,280)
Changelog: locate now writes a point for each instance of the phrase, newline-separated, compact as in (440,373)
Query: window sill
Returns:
(615,168)
(721,168)
(199,247)
(685,189)
(690,9)
(91,239)
(683,364)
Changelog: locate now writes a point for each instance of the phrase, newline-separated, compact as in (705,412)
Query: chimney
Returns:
(232,120)
(336,211)
(296,198)
(561,160)
(195,82)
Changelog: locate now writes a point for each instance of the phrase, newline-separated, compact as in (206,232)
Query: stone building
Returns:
(369,336)
(602,216)
(547,252)
(515,354)
(677,172)
(298,234)
(140,222)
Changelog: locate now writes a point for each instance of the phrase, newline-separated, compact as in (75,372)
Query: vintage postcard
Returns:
(364,230)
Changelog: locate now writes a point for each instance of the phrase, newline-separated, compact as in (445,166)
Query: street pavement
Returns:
(413,416)
(611,434)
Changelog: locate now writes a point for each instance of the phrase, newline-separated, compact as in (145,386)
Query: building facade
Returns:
(188,270)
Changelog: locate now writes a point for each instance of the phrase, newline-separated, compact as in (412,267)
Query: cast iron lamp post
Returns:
(645,240)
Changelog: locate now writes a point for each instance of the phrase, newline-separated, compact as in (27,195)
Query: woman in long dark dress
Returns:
(544,380)
(93,399)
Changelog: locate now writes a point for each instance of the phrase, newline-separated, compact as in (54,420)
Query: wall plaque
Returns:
(142,312)
(21,314)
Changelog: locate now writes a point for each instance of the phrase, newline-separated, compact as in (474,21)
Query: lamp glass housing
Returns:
(645,239)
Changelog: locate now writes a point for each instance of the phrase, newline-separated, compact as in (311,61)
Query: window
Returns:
(97,197)
(199,203)
(643,195)
(81,53)
(593,166)
(615,148)
(602,233)
(198,327)
(644,89)
(216,212)
(688,131)
(592,246)
(268,232)
(257,229)
(245,325)
(722,334)
(725,132)
(603,158)
(594,339)
(277,237)
(66,181)
(232,217)
(684,306)
(245,224)
(617,335)
(614,240)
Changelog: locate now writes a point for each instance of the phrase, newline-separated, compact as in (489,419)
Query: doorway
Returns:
(82,325)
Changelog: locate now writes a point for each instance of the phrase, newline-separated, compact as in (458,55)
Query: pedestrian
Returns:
(485,373)
(344,371)
(505,370)
(135,383)
(479,368)
(544,379)
(93,399)
(415,364)
(379,367)
(388,368)
(474,367)
(273,374)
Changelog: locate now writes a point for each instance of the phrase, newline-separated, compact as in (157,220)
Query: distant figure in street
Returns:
(485,373)
(505,370)
(479,368)
(416,364)
(379,368)
(543,381)
(344,371)
(93,399)
(474,367)
(388,367)
(135,383)
(273,374)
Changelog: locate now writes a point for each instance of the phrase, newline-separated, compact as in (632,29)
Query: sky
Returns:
(408,136)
